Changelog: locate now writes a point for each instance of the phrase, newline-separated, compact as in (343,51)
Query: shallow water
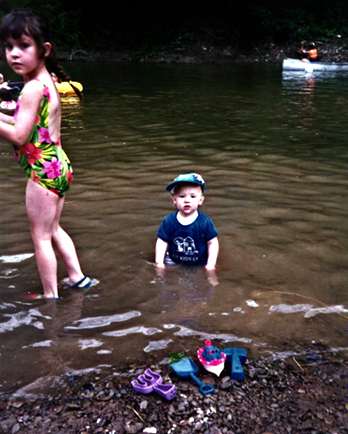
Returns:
(273,151)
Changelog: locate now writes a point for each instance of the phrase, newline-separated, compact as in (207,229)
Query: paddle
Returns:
(76,90)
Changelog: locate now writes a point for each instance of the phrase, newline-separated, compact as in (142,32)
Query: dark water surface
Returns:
(273,150)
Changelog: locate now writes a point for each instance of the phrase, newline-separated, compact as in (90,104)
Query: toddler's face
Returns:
(187,199)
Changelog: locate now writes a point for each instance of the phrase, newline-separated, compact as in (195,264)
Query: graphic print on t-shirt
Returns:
(186,249)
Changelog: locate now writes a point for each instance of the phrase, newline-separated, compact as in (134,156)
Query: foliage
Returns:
(76,24)
(175,357)
(63,23)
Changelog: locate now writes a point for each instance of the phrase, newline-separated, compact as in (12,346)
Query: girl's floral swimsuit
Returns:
(44,161)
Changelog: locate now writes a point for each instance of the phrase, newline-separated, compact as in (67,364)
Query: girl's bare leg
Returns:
(66,248)
(42,207)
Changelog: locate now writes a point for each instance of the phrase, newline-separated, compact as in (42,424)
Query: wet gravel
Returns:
(302,394)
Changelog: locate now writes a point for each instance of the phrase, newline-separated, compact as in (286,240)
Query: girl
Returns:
(34,130)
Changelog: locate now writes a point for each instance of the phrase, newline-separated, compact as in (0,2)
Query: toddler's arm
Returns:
(7,118)
(213,251)
(161,248)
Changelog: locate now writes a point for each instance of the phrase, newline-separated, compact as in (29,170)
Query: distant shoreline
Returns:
(336,51)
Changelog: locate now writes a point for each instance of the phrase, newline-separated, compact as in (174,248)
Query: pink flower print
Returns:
(31,152)
(35,177)
(52,168)
(44,135)
(70,176)
(46,92)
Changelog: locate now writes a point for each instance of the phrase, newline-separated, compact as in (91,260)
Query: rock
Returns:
(7,423)
(133,427)
(16,428)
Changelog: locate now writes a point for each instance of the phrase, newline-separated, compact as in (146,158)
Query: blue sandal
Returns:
(85,283)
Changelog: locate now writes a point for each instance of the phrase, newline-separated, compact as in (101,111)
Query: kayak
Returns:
(9,94)
(13,88)
(65,88)
(301,65)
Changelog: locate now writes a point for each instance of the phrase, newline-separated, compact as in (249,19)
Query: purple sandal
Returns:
(152,376)
(142,386)
(167,391)
(151,381)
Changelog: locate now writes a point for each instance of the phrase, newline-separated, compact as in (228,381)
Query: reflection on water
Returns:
(273,151)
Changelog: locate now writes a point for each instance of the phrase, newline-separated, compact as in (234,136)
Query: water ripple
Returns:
(185,332)
(89,343)
(308,309)
(146,331)
(157,345)
(102,321)
(41,344)
(15,258)
(23,318)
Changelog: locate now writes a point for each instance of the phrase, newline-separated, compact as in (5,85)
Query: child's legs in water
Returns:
(66,248)
(44,209)
(42,206)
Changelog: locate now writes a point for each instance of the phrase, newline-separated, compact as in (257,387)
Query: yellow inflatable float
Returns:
(66,88)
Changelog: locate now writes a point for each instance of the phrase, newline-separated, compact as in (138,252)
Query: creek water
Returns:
(273,151)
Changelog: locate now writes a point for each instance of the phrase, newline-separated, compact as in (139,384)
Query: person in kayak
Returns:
(308,51)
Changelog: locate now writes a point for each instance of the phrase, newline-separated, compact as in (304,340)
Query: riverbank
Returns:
(197,52)
(299,394)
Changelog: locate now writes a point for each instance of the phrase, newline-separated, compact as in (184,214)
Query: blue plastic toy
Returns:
(186,368)
(211,357)
(237,357)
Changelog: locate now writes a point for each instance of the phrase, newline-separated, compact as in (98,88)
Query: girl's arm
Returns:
(17,129)
(213,251)
(161,248)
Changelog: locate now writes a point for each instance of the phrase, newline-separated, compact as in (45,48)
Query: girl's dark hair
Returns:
(24,22)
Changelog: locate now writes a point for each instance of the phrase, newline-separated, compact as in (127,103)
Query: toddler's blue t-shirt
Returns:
(187,244)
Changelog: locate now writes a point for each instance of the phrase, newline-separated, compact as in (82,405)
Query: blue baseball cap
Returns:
(187,178)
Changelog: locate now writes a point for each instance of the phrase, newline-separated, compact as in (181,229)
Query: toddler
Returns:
(187,236)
